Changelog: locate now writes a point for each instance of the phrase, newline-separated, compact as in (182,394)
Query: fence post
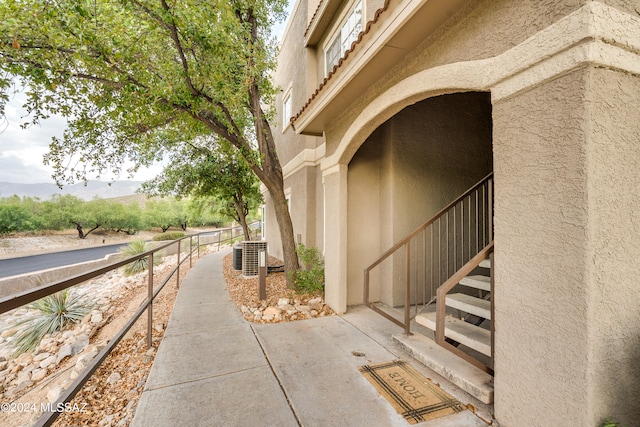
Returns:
(178,271)
(190,251)
(262,275)
(150,306)
(198,240)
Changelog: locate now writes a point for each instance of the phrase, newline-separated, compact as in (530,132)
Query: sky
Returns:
(22,150)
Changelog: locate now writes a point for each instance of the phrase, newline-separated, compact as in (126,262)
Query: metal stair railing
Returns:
(437,249)
(441,295)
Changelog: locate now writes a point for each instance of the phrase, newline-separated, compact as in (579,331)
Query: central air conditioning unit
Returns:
(251,257)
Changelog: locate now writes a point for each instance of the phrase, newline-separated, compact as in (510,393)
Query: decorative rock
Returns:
(158,327)
(96,317)
(84,360)
(38,374)
(22,378)
(303,308)
(74,374)
(283,301)
(53,394)
(47,362)
(114,378)
(81,342)
(313,313)
(271,311)
(3,366)
(40,357)
(313,301)
(64,352)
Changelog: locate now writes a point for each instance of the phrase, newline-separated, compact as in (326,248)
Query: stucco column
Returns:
(567,248)
(335,236)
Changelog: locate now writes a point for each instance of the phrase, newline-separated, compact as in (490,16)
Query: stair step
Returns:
(469,304)
(477,282)
(460,372)
(485,263)
(465,333)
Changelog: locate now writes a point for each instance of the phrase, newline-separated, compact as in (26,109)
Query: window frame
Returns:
(345,34)
(287,109)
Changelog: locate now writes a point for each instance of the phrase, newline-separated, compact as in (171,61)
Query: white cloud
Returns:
(22,150)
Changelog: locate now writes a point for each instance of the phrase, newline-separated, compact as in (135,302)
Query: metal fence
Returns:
(193,244)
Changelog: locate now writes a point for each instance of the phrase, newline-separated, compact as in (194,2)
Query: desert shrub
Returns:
(54,313)
(134,248)
(168,236)
(310,277)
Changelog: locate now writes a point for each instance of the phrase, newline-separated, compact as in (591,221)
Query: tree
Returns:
(135,77)
(15,215)
(59,210)
(204,172)
(165,213)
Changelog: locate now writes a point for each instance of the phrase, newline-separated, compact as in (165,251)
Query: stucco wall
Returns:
(614,233)
(567,317)
(541,221)
(483,29)
(410,168)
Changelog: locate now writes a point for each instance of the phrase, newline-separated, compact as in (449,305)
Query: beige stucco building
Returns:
(389,110)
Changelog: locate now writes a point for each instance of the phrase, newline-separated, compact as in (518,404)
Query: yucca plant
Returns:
(134,248)
(54,313)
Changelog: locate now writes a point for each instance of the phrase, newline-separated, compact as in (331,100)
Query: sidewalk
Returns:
(213,368)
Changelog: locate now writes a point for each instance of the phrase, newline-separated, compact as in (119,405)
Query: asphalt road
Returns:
(27,264)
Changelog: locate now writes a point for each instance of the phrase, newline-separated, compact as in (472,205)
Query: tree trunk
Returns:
(270,173)
(241,214)
(283,217)
(80,232)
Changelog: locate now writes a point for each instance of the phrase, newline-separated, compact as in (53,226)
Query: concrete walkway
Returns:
(213,368)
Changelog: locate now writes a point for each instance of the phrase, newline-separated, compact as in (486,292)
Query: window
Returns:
(286,110)
(348,34)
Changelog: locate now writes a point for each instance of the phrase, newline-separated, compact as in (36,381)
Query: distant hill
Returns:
(102,189)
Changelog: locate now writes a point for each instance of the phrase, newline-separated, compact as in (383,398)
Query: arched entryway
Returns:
(408,168)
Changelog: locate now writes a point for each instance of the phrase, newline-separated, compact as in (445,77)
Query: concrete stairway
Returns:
(472,337)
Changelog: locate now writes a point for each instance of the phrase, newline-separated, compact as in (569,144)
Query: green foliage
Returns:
(134,248)
(136,79)
(168,236)
(63,212)
(16,216)
(58,211)
(610,423)
(310,278)
(55,312)
(165,213)
(205,211)
(220,179)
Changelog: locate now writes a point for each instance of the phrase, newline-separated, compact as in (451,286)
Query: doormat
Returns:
(415,397)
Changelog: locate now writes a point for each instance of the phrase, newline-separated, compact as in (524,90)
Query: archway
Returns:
(409,167)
